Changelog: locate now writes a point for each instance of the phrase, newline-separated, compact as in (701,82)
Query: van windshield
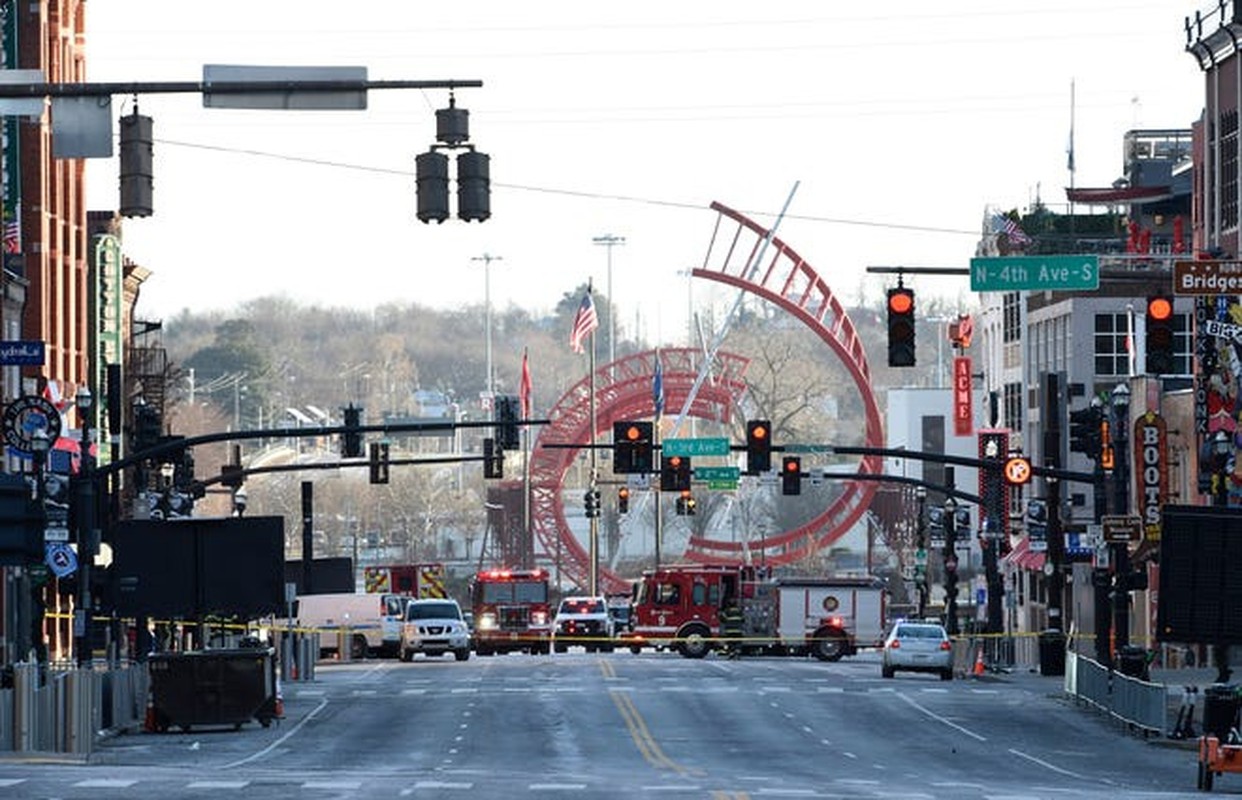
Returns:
(433,611)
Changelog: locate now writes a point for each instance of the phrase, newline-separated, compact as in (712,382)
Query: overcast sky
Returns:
(900,122)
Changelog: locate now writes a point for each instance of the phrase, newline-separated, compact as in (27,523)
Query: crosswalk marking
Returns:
(218,785)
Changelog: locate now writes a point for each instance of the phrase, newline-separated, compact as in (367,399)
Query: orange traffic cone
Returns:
(280,700)
(979,667)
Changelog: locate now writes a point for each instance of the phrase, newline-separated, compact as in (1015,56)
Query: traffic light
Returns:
(473,186)
(136,165)
(352,445)
(493,460)
(591,503)
(431,180)
(507,406)
(758,446)
(900,327)
(1084,431)
(623,500)
(1160,338)
(378,452)
(631,447)
(791,475)
(688,502)
(148,427)
(681,506)
(674,473)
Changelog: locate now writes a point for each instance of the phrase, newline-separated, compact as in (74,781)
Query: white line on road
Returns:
(217,785)
(443,785)
(1043,763)
(557,787)
(104,783)
(942,720)
(333,785)
(255,756)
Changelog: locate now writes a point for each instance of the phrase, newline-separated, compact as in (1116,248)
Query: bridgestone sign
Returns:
(1207,277)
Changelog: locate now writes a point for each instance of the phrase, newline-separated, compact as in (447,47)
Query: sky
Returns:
(887,127)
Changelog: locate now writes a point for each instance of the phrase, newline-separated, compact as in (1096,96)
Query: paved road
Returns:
(620,725)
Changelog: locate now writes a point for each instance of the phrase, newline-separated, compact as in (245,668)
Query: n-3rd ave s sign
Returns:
(1017,273)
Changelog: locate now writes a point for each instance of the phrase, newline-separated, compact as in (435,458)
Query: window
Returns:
(1013,407)
(1012,318)
(1112,354)
(1229,170)
(667,594)
(698,595)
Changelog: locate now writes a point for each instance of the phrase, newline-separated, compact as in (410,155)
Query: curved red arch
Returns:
(622,391)
(788,281)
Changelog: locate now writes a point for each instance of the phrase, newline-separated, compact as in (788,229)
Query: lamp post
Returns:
(920,559)
(610,241)
(1121,495)
(86,532)
(487,260)
(950,565)
(30,624)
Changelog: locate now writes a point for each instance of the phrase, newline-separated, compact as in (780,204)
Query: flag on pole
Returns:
(585,321)
(657,386)
(524,388)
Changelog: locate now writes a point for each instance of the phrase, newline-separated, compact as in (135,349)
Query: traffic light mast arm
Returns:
(965,461)
(165,448)
(322,465)
(222,87)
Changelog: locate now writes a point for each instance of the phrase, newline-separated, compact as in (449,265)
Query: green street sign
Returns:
(722,486)
(808,448)
(710,474)
(1017,273)
(711,446)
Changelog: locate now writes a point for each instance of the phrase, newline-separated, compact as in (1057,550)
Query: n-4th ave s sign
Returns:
(1017,273)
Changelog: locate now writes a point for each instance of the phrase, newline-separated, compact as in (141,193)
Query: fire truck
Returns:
(511,611)
(678,608)
(411,580)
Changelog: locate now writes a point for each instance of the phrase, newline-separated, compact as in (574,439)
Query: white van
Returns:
(369,622)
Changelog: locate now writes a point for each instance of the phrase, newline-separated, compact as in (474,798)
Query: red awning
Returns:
(1022,557)
(1109,196)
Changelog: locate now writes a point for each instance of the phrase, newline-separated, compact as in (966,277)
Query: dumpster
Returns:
(1051,652)
(1220,710)
(1132,661)
(213,687)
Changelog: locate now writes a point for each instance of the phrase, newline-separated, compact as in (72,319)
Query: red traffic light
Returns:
(900,301)
(1159,308)
(633,433)
(758,431)
(674,462)
(792,465)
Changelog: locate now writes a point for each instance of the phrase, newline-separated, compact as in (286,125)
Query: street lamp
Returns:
(610,241)
(487,260)
(950,565)
(86,529)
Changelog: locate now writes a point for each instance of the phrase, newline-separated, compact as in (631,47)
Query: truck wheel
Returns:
(462,655)
(358,648)
(828,645)
(695,641)
(635,649)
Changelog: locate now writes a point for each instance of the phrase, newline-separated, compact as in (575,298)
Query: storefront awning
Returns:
(1112,196)
(1022,557)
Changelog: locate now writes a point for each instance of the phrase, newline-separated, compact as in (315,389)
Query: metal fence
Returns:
(61,708)
(1138,704)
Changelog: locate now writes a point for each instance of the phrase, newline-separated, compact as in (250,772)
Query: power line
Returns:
(589,195)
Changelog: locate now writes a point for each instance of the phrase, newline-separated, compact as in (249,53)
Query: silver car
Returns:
(918,647)
(434,627)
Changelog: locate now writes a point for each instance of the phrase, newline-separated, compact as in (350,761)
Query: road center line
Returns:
(1043,763)
(942,720)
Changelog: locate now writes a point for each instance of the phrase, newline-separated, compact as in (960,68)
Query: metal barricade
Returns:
(1127,700)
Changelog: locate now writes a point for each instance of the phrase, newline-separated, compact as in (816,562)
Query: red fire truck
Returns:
(511,611)
(678,607)
(412,580)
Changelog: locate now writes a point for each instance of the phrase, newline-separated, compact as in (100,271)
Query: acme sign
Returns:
(1151,458)
(1207,277)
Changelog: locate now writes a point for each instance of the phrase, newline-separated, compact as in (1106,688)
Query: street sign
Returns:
(1223,330)
(26,415)
(1119,529)
(22,353)
(1207,277)
(718,473)
(710,446)
(1016,273)
(1017,471)
(55,534)
(808,448)
(285,98)
(722,486)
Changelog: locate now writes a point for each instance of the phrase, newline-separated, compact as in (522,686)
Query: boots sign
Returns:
(1151,472)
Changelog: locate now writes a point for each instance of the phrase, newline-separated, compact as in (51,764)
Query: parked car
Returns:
(583,621)
(433,628)
(918,647)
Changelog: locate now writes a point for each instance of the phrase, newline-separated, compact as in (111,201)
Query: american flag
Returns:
(12,235)
(585,321)
(1001,223)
